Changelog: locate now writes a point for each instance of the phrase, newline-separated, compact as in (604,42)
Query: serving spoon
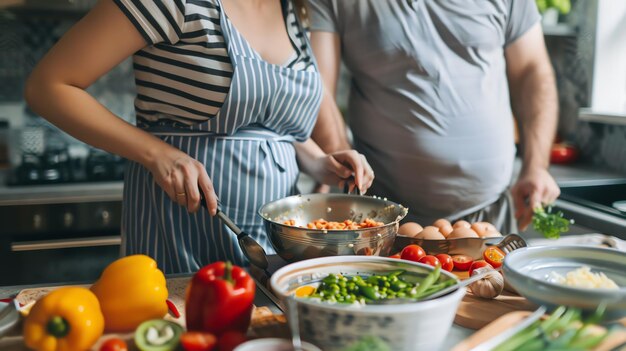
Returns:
(253,251)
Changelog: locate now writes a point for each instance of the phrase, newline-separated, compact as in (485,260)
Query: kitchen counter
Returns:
(456,334)
(584,174)
(61,193)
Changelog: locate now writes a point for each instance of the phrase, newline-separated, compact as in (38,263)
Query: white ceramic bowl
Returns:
(529,271)
(333,327)
(273,344)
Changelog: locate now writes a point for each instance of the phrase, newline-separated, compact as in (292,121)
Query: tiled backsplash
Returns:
(25,39)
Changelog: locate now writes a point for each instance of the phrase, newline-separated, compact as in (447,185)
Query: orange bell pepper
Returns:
(131,290)
(67,319)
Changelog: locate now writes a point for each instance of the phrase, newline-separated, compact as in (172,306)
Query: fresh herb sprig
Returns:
(550,224)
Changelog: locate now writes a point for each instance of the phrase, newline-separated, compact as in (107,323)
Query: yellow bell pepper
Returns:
(67,319)
(131,290)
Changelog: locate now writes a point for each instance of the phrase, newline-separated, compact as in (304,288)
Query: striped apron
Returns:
(248,152)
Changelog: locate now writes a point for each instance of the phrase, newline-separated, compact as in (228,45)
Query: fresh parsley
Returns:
(550,224)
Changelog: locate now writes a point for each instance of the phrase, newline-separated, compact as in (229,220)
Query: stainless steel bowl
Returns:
(294,243)
(530,272)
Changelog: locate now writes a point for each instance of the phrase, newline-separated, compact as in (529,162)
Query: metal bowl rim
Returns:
(499,238)
(598,293)
(324,231)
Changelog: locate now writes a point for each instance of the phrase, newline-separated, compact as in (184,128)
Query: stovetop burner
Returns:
(58,161)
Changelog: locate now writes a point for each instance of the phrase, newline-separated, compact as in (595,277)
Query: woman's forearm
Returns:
(79,114)
(307,152)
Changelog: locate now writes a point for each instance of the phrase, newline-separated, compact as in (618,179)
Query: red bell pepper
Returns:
(219,299)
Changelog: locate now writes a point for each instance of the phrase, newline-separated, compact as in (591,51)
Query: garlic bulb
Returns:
(490,286)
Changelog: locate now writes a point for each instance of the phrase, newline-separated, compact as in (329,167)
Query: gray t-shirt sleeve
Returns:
(323,16)
(523,14)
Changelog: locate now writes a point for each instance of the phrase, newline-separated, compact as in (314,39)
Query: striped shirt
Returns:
(184,74)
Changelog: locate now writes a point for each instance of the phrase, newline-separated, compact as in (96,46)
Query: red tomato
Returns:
(563,153)
(430,260)
(114,344)
(395,256)
(494,256)
(446,262)
(462,262)
(478,264)
(412,253)
(230,339)
(198,341)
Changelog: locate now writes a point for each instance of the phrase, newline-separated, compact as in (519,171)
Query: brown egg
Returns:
(491,234)
(444,226)
(482,227)
(410,229)
(462,232)
(430,233)
(461,224)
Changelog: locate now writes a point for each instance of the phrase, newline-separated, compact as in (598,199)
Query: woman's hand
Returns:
(182,178)
(336,167)
(339,167)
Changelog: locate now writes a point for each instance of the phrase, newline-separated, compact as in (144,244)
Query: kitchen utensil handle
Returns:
(346,186)
(230,224)
(65,243)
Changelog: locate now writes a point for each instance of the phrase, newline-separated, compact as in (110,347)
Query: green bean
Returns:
(369,292)
(430,279)
(399,285)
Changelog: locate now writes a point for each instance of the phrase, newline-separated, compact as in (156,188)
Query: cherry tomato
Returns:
(198,341)
(114,344)
(412,253)
(462,262)
(230,339)
(478,264)
(430,260)
(395,256)
(563,153)
(446,262)
(494,256)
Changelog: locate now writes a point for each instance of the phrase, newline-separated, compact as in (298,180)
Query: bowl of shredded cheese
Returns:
(577,276)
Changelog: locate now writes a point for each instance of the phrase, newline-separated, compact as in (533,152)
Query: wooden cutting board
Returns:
(614,342)
(475,312)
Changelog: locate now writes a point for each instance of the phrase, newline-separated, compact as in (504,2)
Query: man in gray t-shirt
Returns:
(432,87)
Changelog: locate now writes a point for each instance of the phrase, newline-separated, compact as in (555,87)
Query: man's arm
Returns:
(535,104)
(330,129)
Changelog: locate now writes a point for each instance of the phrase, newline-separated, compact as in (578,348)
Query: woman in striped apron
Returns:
(244,154)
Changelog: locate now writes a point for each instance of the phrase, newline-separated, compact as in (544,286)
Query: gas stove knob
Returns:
(105,216)
(68,219)
(37,221)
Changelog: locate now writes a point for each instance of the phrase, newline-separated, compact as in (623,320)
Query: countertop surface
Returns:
(455,335)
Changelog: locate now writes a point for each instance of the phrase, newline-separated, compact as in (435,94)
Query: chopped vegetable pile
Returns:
(331,225)
(551,225)
(563,330)
(357,289)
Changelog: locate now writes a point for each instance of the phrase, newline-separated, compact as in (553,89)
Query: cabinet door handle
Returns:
(65,243)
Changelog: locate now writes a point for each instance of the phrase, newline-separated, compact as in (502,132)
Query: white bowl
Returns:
(333,327)
(529,271)
(273,344)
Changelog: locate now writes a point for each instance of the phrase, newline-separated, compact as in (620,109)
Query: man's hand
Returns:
(533,188)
